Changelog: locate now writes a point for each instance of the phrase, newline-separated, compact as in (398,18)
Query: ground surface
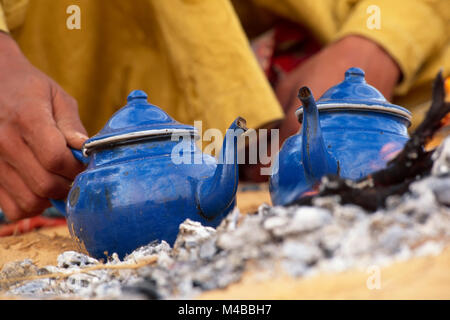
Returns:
(420,278)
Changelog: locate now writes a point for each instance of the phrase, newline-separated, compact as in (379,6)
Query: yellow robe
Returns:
(193,57)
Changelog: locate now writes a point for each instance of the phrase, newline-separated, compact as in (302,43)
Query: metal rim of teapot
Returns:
(135,136)
(365,107)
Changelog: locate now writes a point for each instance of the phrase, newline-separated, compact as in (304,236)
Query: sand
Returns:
(419,278)
(42,246)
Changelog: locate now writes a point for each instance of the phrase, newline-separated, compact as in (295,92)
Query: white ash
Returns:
(71,258)
(142,253)
(294,221)
(441,158)
(18,269)
(326,237)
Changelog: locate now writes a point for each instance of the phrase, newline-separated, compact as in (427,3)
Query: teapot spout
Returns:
(317,161)
(217,193)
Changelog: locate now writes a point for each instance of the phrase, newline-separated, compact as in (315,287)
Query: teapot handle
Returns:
(60,205)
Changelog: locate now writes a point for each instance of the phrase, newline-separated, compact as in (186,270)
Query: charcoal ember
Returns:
(70,259)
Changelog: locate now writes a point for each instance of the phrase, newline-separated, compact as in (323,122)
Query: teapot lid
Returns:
(137,120)
(356,94)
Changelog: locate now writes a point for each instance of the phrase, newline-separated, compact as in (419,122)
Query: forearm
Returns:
(381,70)
(326,69)
(411,31)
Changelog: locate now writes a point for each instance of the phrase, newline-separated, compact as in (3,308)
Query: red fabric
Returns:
(293,46)
(29,224)
(283,48)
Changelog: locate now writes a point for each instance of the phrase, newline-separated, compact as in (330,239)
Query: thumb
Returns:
(65,111)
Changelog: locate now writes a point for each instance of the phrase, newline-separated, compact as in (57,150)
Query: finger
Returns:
(9,207)
(65,109)
(13,184)
(47,142)
(42,182)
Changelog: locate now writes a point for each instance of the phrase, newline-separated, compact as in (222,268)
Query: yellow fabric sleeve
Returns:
(190,56)
(319,16)
(410,31)
(216,72)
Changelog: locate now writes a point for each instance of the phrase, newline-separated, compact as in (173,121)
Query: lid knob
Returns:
(355,75)
(137,95)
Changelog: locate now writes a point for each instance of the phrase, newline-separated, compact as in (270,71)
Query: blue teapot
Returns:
(136,189)
(351,131)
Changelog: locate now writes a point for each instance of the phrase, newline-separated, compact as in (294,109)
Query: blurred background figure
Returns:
(195,60)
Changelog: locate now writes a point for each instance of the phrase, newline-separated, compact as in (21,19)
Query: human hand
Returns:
(38,121)
(327,69)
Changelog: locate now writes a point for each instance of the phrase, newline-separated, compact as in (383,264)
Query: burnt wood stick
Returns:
(413,159)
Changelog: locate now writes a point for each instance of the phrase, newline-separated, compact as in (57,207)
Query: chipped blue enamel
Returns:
(133,193)
(354,123)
